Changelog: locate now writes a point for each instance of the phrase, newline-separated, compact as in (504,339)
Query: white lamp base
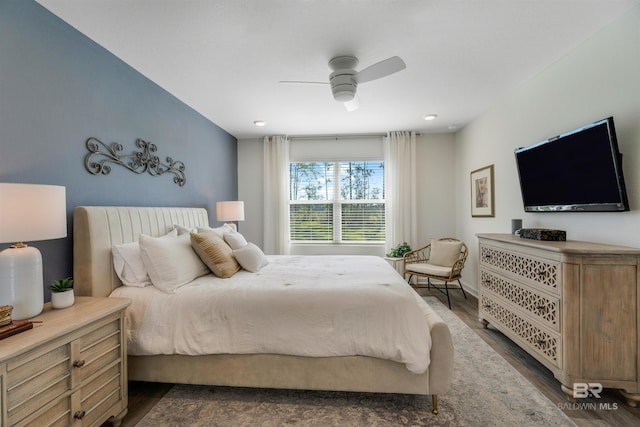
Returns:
(21,281)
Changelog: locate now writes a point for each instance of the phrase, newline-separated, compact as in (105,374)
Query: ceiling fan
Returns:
(344,79)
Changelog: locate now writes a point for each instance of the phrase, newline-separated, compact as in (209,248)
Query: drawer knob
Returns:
(541,341)
(487,306)
(79,415)
(540,307)
(542,273)
(78,363)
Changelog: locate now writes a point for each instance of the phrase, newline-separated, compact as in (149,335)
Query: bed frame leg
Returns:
(434,402)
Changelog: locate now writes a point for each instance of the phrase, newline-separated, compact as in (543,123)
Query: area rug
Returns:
(485,391)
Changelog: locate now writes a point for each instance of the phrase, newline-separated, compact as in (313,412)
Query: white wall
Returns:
(250,170)
(597,80)
(436,192)
(436,178)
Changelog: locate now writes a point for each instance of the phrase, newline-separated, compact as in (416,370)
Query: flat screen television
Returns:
(578,171)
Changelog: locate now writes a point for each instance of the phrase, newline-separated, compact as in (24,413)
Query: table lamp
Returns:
(230,211)
(28,212)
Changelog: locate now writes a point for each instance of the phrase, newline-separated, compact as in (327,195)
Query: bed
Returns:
(98,228)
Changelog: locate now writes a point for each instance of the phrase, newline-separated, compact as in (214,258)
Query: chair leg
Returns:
(428,283)
(446,288)
(434,402)
(462,289)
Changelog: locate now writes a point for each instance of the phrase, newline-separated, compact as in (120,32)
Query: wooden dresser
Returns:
(69,370)
(574,306)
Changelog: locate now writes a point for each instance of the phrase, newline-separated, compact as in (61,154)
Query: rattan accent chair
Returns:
(441,260)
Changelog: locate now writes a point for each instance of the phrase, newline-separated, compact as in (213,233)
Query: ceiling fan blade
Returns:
(302,82)
(381,69)
(352,105)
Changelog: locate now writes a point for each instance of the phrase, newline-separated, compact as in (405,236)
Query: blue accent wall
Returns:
(58,88)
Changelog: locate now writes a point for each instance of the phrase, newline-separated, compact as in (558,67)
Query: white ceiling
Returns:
(224,58)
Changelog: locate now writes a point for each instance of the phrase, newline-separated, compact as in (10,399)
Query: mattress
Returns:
(314,306)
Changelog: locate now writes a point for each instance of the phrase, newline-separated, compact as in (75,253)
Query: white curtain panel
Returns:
(400,188)
(276,195)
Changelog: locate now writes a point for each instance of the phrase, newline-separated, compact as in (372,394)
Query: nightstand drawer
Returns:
(98,349)
(36,377)
(59,415)
(101,394)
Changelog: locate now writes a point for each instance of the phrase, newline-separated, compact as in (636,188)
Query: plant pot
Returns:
(62,299)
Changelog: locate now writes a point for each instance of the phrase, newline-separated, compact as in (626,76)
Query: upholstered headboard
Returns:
(97,228)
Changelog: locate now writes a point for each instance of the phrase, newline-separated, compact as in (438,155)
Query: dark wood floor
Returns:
(143,396)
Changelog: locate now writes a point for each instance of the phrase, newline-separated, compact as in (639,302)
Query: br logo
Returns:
(584,390)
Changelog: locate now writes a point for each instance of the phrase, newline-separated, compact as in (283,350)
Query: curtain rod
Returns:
(342,136)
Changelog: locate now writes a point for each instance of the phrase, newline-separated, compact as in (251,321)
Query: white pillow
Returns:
(444,253)
(183,230)
(220,231)
(235,240)
(250,257)
(171,262)
(128,264)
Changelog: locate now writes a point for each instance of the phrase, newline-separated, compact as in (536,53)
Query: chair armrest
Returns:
(457,266)
(416,255)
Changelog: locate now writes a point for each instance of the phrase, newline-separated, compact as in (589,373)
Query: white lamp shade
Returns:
(32,212)
(230,211)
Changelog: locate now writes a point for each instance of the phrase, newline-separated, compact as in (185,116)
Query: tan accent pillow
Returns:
(444,253)
(215,253)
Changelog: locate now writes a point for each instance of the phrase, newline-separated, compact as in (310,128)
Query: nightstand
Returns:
(394,263)
(68,370)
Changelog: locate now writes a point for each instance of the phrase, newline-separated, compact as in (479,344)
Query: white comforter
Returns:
(313,306)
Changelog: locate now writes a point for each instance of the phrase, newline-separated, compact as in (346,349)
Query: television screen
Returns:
(580,170)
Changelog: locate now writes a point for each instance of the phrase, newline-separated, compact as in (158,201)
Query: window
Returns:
(341,202)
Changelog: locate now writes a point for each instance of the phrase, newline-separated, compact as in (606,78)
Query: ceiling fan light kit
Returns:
(343,85)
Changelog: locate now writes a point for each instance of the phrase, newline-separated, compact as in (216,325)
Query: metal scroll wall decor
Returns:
(101,156)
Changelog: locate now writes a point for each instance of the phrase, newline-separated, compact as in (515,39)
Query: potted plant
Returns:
(62,293)
(399,251)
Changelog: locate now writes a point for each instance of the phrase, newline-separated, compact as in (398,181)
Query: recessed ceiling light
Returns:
(453,127)
(259,122)
(430,116)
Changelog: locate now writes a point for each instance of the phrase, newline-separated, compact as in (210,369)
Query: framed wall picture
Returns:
(482,201)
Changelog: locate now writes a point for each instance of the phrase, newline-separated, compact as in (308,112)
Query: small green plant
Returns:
(61,285)
(399,250)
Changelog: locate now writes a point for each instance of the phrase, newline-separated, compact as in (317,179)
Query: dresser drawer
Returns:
(541,307)
(544,343)
(542,272)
